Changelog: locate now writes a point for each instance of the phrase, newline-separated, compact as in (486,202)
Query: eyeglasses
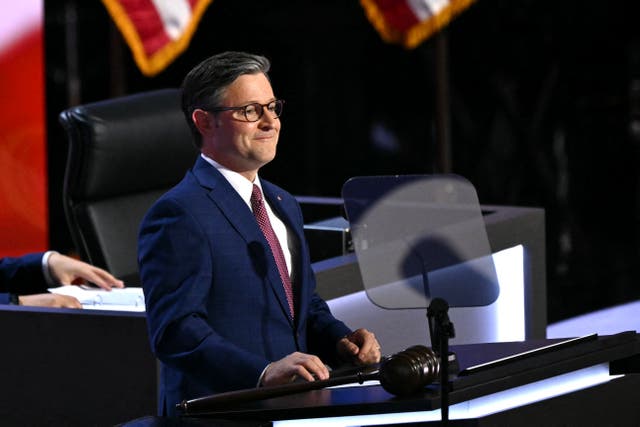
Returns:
(252,112)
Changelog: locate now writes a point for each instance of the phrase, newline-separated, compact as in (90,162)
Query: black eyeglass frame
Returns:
(261,109)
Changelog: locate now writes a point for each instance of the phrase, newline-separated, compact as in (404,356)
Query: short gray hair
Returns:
(205,85)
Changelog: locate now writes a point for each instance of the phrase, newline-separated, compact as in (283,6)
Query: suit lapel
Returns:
(227,200)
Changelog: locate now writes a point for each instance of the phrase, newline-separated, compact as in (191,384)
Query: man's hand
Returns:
(360,347)
(49,300)
(291,367)
(66,270)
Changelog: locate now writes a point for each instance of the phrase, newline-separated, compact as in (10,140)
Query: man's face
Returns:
(234,142)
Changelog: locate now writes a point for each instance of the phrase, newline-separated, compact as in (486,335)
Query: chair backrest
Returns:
(123,154)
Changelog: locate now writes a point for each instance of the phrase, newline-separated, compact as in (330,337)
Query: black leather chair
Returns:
(123,154)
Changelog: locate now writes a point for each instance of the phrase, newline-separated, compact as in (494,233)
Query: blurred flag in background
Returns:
(410,22)
(157,31)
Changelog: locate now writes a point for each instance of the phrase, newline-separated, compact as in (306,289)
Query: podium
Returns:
(92,367)
(592,380)
(70,367)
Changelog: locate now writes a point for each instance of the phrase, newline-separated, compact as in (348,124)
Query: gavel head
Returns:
(408,371)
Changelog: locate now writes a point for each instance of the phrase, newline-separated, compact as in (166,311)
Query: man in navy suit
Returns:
(24,280)
(217,309)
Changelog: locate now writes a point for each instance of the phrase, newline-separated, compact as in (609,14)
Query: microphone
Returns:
(400,374)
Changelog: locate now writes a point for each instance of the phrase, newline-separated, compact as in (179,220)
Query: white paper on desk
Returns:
(368,383)
(122,299)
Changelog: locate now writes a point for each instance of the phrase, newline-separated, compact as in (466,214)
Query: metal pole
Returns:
(443,120)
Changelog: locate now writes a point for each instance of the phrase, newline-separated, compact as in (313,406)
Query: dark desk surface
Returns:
(610,404)
(360,400)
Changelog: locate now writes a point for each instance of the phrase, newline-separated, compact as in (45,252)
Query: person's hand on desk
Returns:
(360,347)
(49,300)
(294,366)
(66,270)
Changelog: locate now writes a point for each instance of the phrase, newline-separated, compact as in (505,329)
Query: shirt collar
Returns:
(242,185)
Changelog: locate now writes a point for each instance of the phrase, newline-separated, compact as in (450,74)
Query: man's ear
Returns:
(203,120)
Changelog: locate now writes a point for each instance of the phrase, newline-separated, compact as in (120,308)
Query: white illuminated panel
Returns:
(502,321)
(509,308)
(479,407)
(607,321)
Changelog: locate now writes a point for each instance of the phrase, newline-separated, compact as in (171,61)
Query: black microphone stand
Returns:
(441,329)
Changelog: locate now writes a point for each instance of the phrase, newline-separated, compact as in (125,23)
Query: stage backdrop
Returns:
(23,175)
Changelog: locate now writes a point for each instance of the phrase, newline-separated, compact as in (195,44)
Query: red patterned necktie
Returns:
(260,212)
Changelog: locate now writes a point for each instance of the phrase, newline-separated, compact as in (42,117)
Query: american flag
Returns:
(410,22)
(157,31)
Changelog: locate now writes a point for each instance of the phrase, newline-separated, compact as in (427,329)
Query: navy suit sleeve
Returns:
(22,275)
(176,272)
(324,331)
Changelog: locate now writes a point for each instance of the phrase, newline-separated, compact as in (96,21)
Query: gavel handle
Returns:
(210,403)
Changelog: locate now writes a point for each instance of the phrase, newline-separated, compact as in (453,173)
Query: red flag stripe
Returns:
(149,25)
(397,14)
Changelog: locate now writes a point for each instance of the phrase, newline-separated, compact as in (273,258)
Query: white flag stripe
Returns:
(175,15)
(425,9)
(436,6)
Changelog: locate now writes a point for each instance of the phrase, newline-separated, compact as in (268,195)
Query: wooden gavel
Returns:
(400,374)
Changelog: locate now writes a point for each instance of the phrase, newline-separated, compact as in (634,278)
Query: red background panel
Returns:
(23,171)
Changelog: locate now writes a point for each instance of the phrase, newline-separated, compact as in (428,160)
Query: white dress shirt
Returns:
(244,188)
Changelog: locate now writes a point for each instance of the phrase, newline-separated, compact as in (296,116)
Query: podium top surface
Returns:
(485,369)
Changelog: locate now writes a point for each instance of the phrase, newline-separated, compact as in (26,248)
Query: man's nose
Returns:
(267,119)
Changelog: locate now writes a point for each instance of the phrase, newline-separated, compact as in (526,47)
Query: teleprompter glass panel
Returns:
(420,237)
